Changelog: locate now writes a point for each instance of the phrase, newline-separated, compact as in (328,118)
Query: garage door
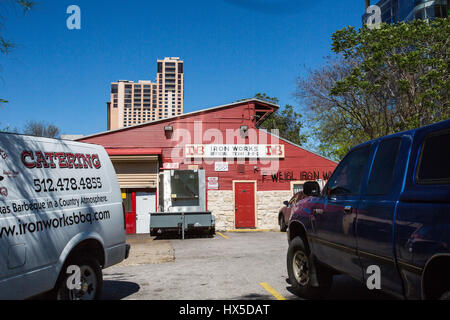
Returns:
(136,174)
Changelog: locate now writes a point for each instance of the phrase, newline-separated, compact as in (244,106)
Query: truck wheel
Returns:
(445,296)
(282,223)
(91,278)
(300,266)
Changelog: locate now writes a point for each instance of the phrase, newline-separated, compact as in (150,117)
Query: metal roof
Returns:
(181,116)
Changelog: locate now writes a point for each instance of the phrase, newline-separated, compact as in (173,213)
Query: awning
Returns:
(133,151)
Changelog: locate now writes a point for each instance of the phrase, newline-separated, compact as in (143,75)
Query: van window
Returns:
(382,173)
(348,175)
(434,160)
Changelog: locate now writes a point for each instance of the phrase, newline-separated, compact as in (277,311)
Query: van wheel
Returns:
(91,279)
(282,223)
(299,266)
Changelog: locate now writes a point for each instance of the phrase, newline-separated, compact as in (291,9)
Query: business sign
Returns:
(252,151)
(171,165)
(221,166)
(213,183)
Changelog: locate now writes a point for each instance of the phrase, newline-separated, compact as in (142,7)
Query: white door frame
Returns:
(140,229)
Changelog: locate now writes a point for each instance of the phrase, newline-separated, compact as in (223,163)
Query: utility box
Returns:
(182,191)
(182,204)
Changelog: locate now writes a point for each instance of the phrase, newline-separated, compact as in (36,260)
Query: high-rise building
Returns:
(139,102)
(393,11)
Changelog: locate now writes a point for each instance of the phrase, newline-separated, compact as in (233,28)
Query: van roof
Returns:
(45,138)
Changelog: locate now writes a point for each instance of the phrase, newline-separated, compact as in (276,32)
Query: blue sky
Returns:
(232,49)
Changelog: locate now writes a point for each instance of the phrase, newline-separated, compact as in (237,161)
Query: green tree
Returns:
(285,120)
(264,97)
(383,80)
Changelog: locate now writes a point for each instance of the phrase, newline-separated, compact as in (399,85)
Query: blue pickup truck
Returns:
(384,212)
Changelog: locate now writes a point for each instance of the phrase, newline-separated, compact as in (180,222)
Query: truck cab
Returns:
(386,206)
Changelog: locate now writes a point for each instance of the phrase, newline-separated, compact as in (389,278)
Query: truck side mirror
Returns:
(286,203)
(311,188)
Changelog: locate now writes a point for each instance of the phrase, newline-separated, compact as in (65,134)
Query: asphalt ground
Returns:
(231,265)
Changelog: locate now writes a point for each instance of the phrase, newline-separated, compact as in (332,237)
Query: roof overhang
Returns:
(133,151)
(134,154)
(263,111)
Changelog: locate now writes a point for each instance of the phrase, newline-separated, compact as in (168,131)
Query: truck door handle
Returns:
(348,209)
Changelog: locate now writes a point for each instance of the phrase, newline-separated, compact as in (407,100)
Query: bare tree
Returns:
(340,121)
(5,44)
(41,129)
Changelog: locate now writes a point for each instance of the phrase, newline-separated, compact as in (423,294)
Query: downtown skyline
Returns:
(232,51)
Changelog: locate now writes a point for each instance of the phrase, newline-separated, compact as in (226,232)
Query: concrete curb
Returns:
(250,230)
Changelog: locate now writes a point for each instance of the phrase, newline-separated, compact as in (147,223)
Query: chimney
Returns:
(367,3)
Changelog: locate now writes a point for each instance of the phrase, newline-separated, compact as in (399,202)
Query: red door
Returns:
(244,198)
(131,216)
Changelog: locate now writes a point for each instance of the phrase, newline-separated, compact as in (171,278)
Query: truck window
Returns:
(382,173)
(298,187)
(348,175)
(434,160)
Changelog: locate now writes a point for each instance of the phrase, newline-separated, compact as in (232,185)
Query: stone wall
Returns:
(221,204)
(268,204)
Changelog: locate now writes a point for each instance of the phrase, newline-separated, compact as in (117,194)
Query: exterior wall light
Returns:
(244,131)
(168,131)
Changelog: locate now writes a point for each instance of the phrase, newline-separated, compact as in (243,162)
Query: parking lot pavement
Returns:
(233,266)
(147,251)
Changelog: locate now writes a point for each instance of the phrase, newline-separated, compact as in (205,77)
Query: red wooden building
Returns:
(249,171)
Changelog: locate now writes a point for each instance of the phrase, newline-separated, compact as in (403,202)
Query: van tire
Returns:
(299,266)
(91,278)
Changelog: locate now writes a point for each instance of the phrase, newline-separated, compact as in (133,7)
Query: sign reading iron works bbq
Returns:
(250,151)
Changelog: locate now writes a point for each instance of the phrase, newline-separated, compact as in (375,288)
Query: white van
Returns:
(61,218)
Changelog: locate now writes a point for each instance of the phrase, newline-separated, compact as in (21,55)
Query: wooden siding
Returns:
(137,174)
